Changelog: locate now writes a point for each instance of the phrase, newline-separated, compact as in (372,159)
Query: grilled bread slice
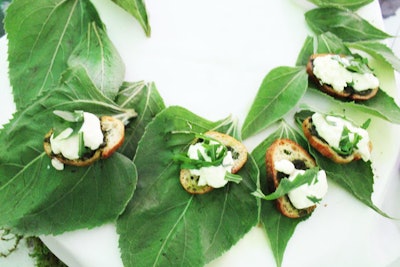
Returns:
(239,153)
(114,133)
(348,93)
(301,159)
(324,148)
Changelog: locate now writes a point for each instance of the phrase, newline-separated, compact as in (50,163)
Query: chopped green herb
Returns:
(65,120)
(286,185)
(214,149)
(231,177)
(314,199)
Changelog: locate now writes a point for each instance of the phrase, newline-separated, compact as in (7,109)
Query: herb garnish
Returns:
(214,154)
(66,119)
(285,185)
(354,63)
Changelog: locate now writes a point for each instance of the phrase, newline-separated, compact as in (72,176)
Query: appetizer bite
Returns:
(346,77)
(287,159)
(211,162)
(337,138)
(81,138)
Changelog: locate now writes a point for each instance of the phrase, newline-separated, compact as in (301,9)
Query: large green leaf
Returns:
(35,198)
(344,23)
(101,59)
(323,43)
(41,36)
(357,177)
(185,229)
(279,92)
(378,51)
(136,8)
(381,105)
(278,227)
(147,102)
(350,4)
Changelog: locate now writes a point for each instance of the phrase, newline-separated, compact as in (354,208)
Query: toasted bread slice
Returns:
(289,150)
(114,134)
(239,153)
(323,147)
(349,93)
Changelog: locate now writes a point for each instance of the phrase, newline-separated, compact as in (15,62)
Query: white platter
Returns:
(210,57)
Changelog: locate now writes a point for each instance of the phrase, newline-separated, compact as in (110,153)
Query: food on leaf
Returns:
(80,138)
(211,162)
(337,138)
(347,77)
(287,165)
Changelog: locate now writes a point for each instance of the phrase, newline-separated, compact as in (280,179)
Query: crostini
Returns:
(344,77)
(337,138)
(97,138)
(213,156)
(287,159)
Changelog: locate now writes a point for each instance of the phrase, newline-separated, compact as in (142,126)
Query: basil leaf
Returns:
(41,37)
(187,230)
(279,92)
(101,59)
(378,51)
(346,24)
(136,8)
(350,4)
(278,227)
(146,100)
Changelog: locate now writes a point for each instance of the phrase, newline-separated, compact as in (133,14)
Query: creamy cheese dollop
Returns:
(68,145)
(213,176)
(330,128)
(302,197)
(331,69)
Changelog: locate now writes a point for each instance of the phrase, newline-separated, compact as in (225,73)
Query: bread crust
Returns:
(114,134)
(189,182)
(322,147)
(349,95)
(287,149)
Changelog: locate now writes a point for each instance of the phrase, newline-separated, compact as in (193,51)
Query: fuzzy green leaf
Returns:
(35,198)
(357,177)
(344,23)
(136,8)
(101,59)
(145,99)
(278,227)
(41,37)
(350,4)
(378,51)
(279,92)
(186,229)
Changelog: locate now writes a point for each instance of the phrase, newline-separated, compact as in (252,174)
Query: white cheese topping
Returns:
(302,197)
(68,145)
(330,71)
(58,165)
(213,176)
(330,128)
